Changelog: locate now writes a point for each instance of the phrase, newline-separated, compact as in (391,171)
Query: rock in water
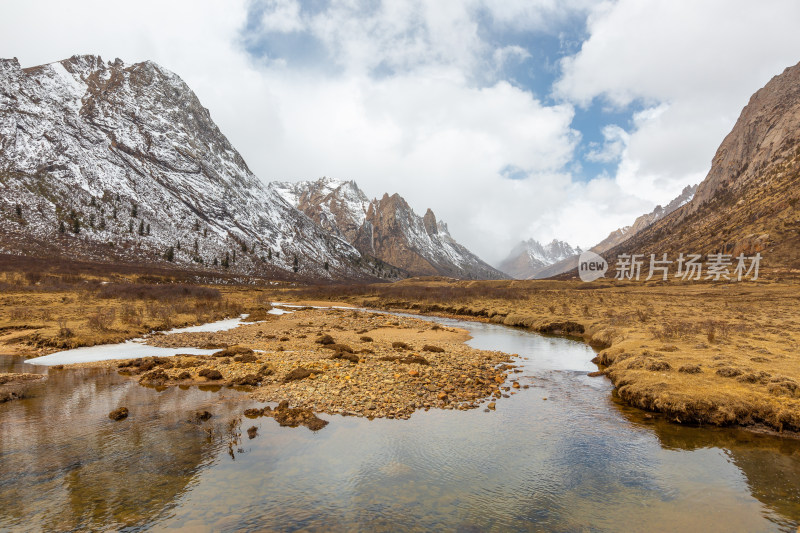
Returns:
(118,414)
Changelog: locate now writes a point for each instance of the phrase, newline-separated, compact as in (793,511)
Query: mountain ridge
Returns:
(386,228)
(748,201)
(621,235)
(528,258)
(109,161)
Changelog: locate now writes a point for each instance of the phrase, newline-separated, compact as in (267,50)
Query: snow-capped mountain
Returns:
(114,161)
(386,228)
(621,235)
(337,206)
(530,257)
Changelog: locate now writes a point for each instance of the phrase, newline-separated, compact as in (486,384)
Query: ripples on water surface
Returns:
(575,461)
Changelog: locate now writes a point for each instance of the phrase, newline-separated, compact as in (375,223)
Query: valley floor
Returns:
(709,353)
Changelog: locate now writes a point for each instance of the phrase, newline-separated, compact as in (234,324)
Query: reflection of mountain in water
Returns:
(66,465)
(770,465)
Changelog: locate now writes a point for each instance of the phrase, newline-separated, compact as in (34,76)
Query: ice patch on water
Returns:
(124,350)
(134,348)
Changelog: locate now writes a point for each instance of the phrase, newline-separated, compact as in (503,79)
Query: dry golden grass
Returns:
(717,353)
(37,318)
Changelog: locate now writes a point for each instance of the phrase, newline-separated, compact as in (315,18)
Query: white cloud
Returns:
(282,16)
(399,35)
(696,63)
(615,140)
(437,124)
(539,15)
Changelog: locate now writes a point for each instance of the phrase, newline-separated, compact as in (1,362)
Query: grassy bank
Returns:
(709,353)
(42,314)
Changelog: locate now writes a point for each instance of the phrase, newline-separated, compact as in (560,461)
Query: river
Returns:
(561,455)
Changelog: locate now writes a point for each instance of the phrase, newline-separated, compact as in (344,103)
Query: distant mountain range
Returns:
(386,228)
(529,258)
(620,235)
(122,163)
(532,260)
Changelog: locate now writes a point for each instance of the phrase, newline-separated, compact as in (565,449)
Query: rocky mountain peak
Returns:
(765,132)
(122,162)
(386,228)
(429,220)
(748,203)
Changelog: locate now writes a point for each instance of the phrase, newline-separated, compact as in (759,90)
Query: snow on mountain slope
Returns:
(114,161)
(387,229)
(530,257)
(339,207)
(621,235)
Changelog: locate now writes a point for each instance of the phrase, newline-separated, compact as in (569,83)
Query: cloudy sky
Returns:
(511,119)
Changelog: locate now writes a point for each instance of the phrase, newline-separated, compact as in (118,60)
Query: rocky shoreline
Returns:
(335,361)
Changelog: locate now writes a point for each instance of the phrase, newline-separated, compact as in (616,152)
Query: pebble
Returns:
(453,379)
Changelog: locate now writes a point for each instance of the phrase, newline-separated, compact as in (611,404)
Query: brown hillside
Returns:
(748,203)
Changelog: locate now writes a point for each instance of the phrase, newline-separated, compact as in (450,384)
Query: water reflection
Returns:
(770,466)
(66,465)
(576,460)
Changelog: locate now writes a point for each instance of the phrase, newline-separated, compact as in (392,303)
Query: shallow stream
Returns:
(562,455)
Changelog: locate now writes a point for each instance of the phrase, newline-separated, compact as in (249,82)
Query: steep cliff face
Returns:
(113,161)
(749,201)
(620,235)
(530,257)
(340,207)
(386,228)
(766,135)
